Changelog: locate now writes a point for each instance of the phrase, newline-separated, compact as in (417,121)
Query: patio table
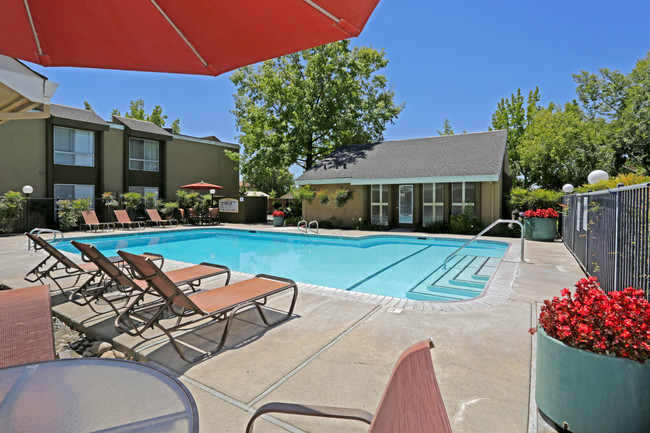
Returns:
(93,394)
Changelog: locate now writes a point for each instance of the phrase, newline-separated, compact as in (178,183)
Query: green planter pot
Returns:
(540,229)
(278,221)
(591,392)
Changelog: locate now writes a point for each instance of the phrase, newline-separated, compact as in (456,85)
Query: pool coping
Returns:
(497,290)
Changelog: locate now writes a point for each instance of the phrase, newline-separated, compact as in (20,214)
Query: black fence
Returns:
(609,234)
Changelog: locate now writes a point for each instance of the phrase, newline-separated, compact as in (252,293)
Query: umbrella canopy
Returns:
(201,185)
(207,37)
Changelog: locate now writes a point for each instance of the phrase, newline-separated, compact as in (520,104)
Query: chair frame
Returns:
(92,223)
(181,306)
(159,222)
(411,363)
(125,222)
(214,216)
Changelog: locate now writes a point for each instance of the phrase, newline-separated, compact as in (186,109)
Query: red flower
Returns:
(278,213)
(615,323)
(541,213)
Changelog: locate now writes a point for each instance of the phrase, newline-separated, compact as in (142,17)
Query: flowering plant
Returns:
(541,213)
(614,324)
(278,213)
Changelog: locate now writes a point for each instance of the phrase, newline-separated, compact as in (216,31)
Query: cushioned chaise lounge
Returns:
(118,285)
(411,402)
(155,220)
(92,223)
(222,303)
(124,221)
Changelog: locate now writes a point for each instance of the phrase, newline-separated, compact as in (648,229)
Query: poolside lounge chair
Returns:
(411,402)
(119,286)
(217,304)
(154,219)
(92,223)
(124,221)
(26,324)
(194,217)
(214,215)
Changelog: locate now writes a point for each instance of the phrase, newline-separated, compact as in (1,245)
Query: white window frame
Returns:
(75,153)
(144,160)
(434,203)
(74,194)
(381,218)
(464,204)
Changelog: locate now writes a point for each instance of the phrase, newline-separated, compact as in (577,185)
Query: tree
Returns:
(87,106)
(300,107)
(267,179)
(624,102)
(514,117)
(562,146)
(446,128)
(137,111)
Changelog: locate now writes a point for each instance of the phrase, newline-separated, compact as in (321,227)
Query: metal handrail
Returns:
(300,223)
(309,227)
(38,231)
(452,255)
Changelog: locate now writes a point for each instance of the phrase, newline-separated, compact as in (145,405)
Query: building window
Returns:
(463,197)
(379,204)
(65,191)
(74,147)
(143,154)
(142,190)
(433,203)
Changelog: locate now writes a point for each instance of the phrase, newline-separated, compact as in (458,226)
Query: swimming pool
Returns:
(389,265)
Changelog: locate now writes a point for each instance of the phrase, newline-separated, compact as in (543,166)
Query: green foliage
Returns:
(341,197)
(11,204)
(304,193)
(562,146)
(183,202)
(109,199)
(625,179)
(522,199)
(207,202)
(514,117)
(88,107)
(446,128)
(464,224)
(137,111)
(132,200)
(436,227)
(266,178)
(300,107)
(168,208)
(292,221)
(151,200)
(323,197)
(367,225)
(70,212)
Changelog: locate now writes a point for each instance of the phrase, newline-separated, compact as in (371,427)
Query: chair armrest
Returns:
(309,410)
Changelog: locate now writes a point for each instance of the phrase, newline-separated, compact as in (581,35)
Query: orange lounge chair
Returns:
(92,223)
(154,219)
(218,304)
(125,222)
(411,403)
(26,324)
(119,286)
(214,215)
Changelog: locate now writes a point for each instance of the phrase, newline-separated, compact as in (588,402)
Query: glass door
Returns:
(406,204)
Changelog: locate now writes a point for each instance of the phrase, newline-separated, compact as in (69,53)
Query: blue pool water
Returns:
(397,266)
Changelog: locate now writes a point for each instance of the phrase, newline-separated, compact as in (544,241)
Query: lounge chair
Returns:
(124,221)
(194,217)
(92,223)
(26,324)
(214,215)
(411,402)
(119,286)
(217,304)
(154,219)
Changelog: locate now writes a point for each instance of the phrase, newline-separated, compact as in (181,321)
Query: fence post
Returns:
(616,248)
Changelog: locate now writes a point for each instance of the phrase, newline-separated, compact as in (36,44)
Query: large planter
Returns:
(540,229)
(278,221)
(591,392)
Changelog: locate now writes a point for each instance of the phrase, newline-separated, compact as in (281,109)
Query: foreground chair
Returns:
(125,222)
(154,219)
(92,223)
(411,402)
(26,324)
(218,304)
(118,286)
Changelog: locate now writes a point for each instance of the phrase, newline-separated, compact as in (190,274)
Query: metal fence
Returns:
(609,234)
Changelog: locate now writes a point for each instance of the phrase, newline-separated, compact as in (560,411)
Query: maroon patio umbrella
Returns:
(206,37)
(201,185)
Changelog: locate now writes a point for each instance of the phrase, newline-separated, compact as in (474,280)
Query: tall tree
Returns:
(300,107)
(137,111)
(623,101)
(273,181)
(511,114)
(446,128)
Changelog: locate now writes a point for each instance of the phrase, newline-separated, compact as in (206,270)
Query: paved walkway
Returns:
(339,349)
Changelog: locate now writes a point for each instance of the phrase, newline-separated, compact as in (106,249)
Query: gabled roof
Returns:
(475,156)
(143,126)
(76,114)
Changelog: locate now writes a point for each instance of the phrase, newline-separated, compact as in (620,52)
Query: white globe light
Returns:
(596,176)
(568,188)
(212,191)
(27,189)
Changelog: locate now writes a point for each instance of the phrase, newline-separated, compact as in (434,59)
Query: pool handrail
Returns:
(499,221)
(38,231)
(307,226)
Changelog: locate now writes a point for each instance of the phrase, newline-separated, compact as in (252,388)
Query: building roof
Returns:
(77,114)
(476,156)
(143,126)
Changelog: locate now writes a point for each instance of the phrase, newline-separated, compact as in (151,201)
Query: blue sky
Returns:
(453,59)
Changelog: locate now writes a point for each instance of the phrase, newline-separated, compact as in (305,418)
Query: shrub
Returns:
(464,224)
(292,221)
(11,204)
(523,199)
(304,193)
(323,197)
(614,324)
(342,196)
(167,209)
(70,212)
(367,225)
(436,227)
(151,200)
(278,213)
(625,179)
(132,200)
(109,199)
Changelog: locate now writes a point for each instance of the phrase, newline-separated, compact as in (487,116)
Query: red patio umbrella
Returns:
(201,185)
(206,37)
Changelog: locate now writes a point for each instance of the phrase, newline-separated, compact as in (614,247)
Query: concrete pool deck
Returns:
(339,349)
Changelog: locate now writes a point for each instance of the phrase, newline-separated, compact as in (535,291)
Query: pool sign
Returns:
(229,205)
